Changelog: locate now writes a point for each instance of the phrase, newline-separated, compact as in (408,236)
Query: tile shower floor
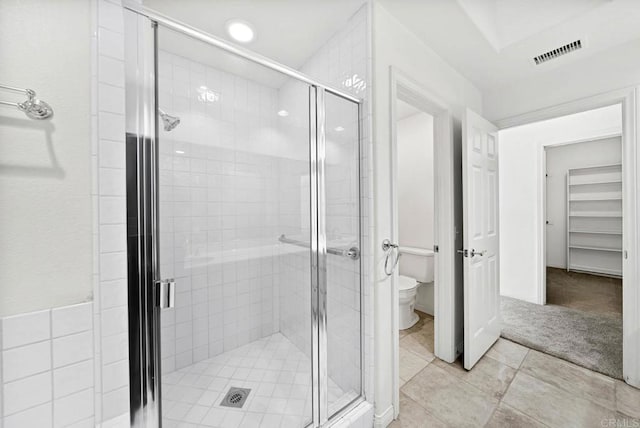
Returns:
(276,371)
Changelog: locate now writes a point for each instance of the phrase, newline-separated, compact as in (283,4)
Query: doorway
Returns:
(578,191)
(446,321)
(416,208)
(584,225)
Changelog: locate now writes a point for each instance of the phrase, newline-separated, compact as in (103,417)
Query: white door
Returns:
(481,247)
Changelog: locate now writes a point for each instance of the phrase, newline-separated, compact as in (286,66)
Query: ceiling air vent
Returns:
(558,52)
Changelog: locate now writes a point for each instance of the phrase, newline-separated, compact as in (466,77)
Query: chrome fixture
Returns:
(352,253)
(169,122)
(32,107)
(388,247)
(472,253)
(166,293)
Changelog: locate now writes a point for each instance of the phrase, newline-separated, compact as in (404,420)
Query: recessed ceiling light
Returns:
(338,129)
(240,31)
(283,113)
(180,152)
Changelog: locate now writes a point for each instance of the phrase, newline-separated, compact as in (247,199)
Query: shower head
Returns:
(169,122)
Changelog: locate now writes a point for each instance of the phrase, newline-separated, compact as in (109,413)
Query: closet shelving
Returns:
(594,220)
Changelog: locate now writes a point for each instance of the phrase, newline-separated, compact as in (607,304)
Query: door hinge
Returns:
(436,249)
(465,252)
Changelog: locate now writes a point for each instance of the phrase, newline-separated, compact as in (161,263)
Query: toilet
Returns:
(416,267)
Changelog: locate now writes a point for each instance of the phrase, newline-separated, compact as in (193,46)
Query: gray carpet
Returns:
(590,340)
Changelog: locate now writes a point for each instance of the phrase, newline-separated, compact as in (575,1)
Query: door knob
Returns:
(472,253)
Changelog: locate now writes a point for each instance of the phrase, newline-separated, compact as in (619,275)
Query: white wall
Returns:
(394,45)
(45,169)
(415,181)
(560,159)
(415,191)
(521,154)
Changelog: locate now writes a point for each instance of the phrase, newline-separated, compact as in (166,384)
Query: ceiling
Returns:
(287,31)
(505,22)
(492,42)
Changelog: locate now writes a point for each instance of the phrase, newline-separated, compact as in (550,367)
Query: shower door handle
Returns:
(166,293)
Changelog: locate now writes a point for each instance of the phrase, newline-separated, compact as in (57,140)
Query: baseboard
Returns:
(384,419)
(632,381)
(423,309)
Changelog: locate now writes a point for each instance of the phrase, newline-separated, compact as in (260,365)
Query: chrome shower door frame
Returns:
(143,233)
(142,222)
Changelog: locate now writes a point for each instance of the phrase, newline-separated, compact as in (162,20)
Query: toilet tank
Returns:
(417,263)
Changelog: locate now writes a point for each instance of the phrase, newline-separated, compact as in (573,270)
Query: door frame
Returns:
(541,229)
(628,99)
(406,89)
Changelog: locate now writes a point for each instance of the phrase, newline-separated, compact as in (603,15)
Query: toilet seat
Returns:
(405,283)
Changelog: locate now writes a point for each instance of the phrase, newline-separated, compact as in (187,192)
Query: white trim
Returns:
(395,300)
(572,107)
(628,98)
(384,419)
(541,294)
(403,87)
(604,134)
(424,309)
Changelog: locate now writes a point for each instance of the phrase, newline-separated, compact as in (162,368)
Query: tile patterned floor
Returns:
(511,386)
(275,370)
(585,292)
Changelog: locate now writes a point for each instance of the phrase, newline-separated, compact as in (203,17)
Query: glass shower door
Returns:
(244,186)
(235,227)
(343,273)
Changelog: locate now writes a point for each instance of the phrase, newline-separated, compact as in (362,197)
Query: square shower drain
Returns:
(236,397)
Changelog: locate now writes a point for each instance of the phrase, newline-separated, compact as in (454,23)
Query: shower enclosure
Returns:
(244,239)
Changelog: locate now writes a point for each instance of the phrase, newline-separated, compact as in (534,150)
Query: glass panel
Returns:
(343,233)
(235,234)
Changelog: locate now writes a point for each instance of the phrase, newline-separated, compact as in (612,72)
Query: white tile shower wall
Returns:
(46,370)
(218,205)
(294,285)
(111,362)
